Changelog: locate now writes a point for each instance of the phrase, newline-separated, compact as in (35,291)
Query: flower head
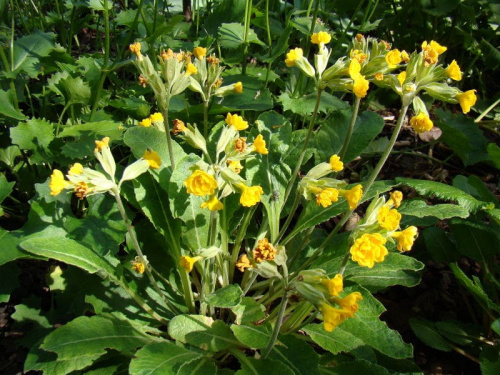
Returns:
(199,52)
(213,204)
(236,122)
(388,218)
(243,262)
(166,55)
(138,266)
(250,195)
(358,55)
(405,238)
(321,38)
(467,100)
(57,182)
(360,86)
(157,116)
(76,169)
(238,87)
(332,316)
(81,189)
(200,183)
(235,165)
(135,48)
(260,145)
(353,196)
(334,285)
(179,127)
(240,144)
(395,198)
(401,78)
(152,158)
(292,56)
(327,196)
(404,56)
(99,145)
(431,51)
(350,303)
(368,249)
(143,81)
(393,58)
(379,76)
(421,123)
(354,69)
(145,123)
(453,71)
(264,251)
(191,69)
(435,46)
(336,164)
(187,262)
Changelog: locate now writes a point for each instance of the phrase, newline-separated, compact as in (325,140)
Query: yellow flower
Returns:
(145,123)
(152,158)
(405,238)
(264,251)
(334,285)
(393,58)
(81,189)
(260,145)
(169,54)
(405,56)
(200,183)
(401,78)
(240,144)
(99,145)
(421,123)
(453,71)
(157,116)
(388,219)
(336,164)
(292,56)
(57,182)
(321,38)
(235,165)
(243,262)
(199,52)
(191,69)
(187,262)
(76,169)
(350,303)
(359,37)
(395,198)
(138,267)
(358,55)
(368,249)
(213,204)
(236,121)
(327,196)
(179,127)
(435,46)
(143,81)
(353,196)
(354,69)
(135,48)
(379,76)
(238,87)
(360,86)
(467,100)
(332,316)
(250,195)
(218,84)
(431,52)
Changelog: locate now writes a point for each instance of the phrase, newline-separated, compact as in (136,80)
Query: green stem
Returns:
(297,316)
(350,129)
(170,147)
(205,118)
(487,110)
(248,13)
(289,217)
(138,299)
(239,239)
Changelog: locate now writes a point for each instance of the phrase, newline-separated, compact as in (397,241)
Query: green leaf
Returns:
(137,108)
(232,36)
(27,52)
(427,332)
(252,366)
(419,208)
(339,340)
(228,296)
(356,367)
(439,245)
(304,105)
(10,281)
(330,138)
(8,155)
(474,186)
(442,191)
(253,336)
(494,153)
(476,241)
(248,311)
(491,54)
(203,366)
(160,358)
(489,360)
(92,336)
(98,5)
(457,332)
(495,326)
(73,90)
(7,108)
(34,135)
(5,187)
(298,355)
(202,332)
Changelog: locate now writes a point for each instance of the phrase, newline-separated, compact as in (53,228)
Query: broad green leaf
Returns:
(8,155)
(491,54)
(474,186)
(279,48)
(304,105)
(252,366)
(225,12)
(475,240)
(303,24)
(7,108)
(494,153)
(67,251)
(253,336)
(41,360)
(297,354)
(98,4)
(135,107)
(203,366)
(27,52)
(187,206)
(428,333)
(442,191)
(160,358)
(419,208)
(10,280)
(228,296)
(34,135)
(339,340)
(330,138)
(202,332)
(489,360)
(356,367)
(457,332)
(92,336)
(5,187)
(232,36)
(439,245)
(248,311)
(73,90)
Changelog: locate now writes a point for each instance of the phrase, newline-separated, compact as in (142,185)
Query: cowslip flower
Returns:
(191,69)
(135,48)
(264,251)
(401,78)
(336,164)
(292,56)
(99,145)
(243,262)
(453,71)
(145,123)
(138,267)
(200,183)
(321,38)
(213,204)
(235,166)
(467,100)
(405,238)
(238,87)
(152,158)
(327,196)
(81,190)
(332,316)
(334,285)
(360,87)
(236,122)
(388,218)
(350,303)
(57,182)
(199,52)
(76,169)
(250,195)
(354,69)
(421,123)
(187,262)
(404,56)
(435,46)
(260,145)
(368,249)
(395,198)
(178,127)
(240,144)
(358,55)
(431,51)
(378,76)
(353,196)
(157,116)
(393,58)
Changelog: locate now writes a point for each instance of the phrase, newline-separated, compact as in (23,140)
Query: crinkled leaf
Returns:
(7,108)
(203,366)
(474,186)
(228,296)
(356,367)
(73,90)
(475,240)
(418,207)
(248,311)
(253,336)
(27,52)
(298,355)
(232,36)
(304,105)
(36,135)
(252,366)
